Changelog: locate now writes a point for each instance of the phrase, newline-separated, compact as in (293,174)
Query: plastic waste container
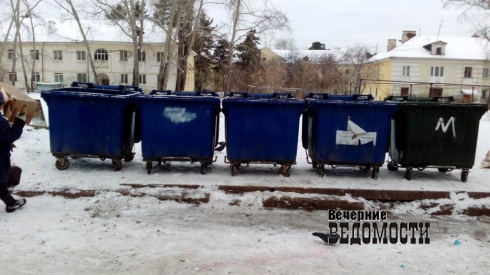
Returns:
(437,134)
(91,124)
(262,128)
(352,132)
(180,126)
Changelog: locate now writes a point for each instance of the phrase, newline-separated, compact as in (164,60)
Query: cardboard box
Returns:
(18,102)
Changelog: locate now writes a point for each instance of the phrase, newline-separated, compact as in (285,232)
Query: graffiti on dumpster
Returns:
(179,115)
(355,135)
(445,127)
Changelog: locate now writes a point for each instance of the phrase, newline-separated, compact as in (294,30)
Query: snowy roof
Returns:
(467,48)
(337,53)
(55,30)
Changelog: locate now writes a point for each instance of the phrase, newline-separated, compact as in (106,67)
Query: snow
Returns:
(311,54)
(96,30)
(467,48)
(111,233)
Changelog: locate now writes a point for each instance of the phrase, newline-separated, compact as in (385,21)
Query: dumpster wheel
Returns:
(117,164)
(129,157)
(392,166)
(321,170)
(203,168)
(285,170)
(62,164)
(233,169)
(464,175)
(149,166)
(375,173)
(315,165)
(408,174)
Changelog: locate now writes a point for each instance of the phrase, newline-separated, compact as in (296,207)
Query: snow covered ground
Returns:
(113,234)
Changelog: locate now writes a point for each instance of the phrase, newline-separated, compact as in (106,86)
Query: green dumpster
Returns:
(436,134)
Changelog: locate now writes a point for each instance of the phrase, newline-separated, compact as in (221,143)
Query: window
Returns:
(485,73)
(406,71)
(435,92)
(159,56)
(438,51)
(57,55)
(484,94)
(467,71)
(142,56)
(35,54)
(10,54)
(437,71)
(101,54)
(58,77)
(14,76)
(142,78)
(82,77)
(404,92)
(124,78)
(123,56)
(81,56)
(37,77)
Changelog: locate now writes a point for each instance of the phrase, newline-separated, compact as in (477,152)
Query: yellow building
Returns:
(433,66)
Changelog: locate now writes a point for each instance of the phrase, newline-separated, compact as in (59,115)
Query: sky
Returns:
(345,23)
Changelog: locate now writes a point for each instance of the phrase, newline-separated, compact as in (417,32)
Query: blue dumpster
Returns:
(347,133)
(262,128)
(179,127)
(91,124)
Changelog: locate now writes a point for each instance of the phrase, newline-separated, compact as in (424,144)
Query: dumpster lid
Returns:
(325,96)
(275,95)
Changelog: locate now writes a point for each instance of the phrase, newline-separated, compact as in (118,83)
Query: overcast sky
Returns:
(343,23)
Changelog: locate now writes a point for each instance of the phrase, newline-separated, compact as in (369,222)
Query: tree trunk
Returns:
(2,74)
(179,18)
(162,75)
(22,62)
(232,45)
(17,27)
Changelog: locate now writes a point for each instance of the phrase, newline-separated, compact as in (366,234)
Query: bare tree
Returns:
(358,66)
(245,16)
(72,10)
(285,44)
(475,12)
(133,12)
(7,35)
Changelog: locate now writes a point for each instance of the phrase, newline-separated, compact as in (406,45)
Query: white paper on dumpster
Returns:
(355,135)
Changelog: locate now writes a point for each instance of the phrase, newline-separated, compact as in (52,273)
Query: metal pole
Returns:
(472,91)
(411,86)
(359,88)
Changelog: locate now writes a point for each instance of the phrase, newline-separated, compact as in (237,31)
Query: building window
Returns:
(467,71)
(159,56)
(124,78)
(438,51)
(37,77)
(142,56)
(142,78)
(82,77)
(123,56)
(14,76)
(81,56)
(35,54)
(435,92)
(485,73)
(484,94)
(437,71)
(58,77)
(404,91)
(101,54)
(10,54)
(406,71)
(57,55)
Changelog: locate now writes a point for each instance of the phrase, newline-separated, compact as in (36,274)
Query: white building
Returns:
(59,55)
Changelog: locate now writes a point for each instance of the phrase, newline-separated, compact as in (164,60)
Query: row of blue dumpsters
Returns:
(105,122)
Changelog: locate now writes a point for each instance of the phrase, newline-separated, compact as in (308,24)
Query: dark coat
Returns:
(8,134)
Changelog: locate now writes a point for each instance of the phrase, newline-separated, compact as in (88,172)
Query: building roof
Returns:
(467,48)
(55,30)
(337,53)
